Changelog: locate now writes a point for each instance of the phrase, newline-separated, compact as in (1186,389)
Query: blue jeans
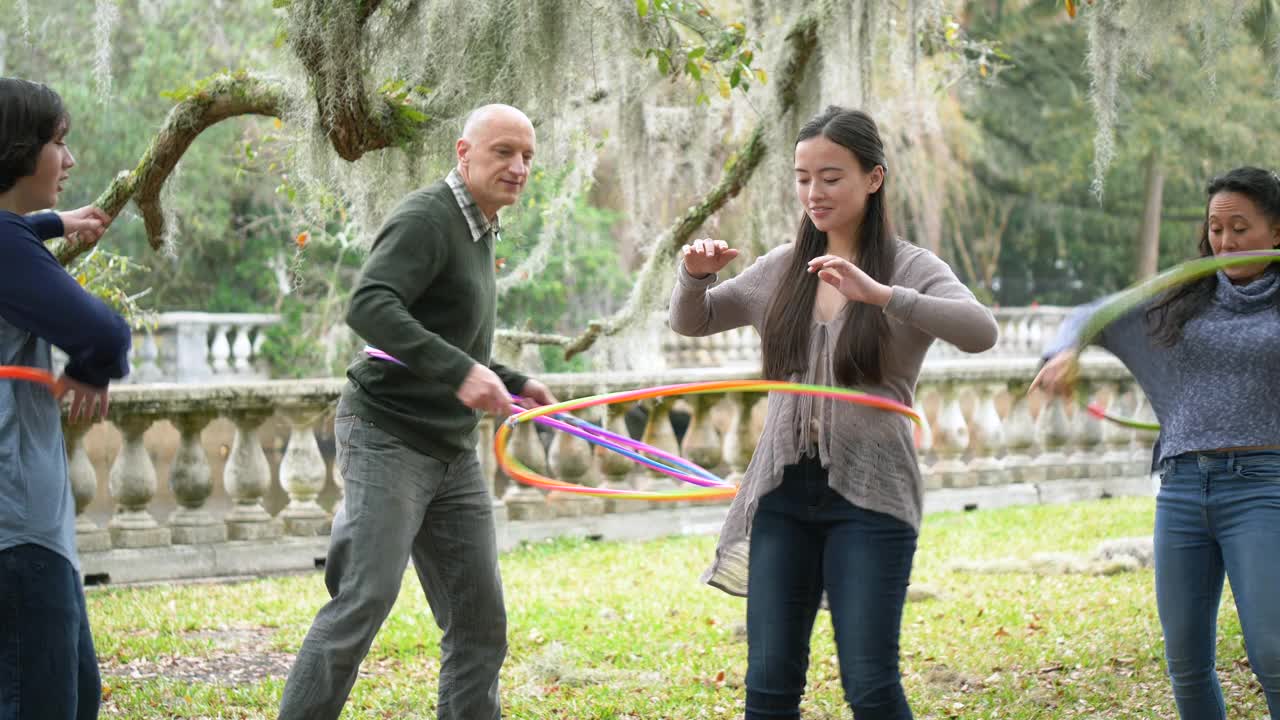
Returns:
(1218,513)
(48,667)
(805,539)
(400,505)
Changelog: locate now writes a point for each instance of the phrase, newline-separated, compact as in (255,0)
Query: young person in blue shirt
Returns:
(48,667)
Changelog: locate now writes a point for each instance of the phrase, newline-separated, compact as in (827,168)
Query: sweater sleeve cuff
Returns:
(46,225)
(514,381)
(694,283)
(902,302)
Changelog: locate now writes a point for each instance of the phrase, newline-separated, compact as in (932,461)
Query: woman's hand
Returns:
(1059,375)
(706,256)
(850,280)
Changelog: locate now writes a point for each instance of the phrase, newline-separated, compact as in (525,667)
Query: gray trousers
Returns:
(401,504)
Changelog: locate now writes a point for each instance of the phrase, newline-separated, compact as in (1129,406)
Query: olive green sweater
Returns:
(427,296)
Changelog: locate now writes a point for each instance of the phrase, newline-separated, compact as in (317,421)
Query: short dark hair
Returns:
(31,114)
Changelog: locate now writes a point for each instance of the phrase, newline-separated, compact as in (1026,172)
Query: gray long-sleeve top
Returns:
(1213,389)
(869,454)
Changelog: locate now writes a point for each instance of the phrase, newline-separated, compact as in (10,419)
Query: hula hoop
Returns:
(717,491)
(29,374)
(1134,296)
(1099,412)
(709,486)
(675,466)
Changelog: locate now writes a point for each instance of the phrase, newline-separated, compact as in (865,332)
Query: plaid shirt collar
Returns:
(479,224)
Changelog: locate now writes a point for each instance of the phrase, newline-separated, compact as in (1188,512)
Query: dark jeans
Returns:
(401,504)
(1218,513)
(806,539)
(48,668)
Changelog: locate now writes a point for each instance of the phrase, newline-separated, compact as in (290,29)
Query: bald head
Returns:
(486,118)
(495,153)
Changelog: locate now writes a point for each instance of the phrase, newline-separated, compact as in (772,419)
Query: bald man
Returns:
(405,435)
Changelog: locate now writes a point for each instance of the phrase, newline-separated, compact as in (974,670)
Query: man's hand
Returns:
(87,223)
(482,390)
(88,403)
(536,394)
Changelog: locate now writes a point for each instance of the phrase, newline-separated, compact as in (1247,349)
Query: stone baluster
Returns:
(132,481)
(740,439)
(259,363)
(247,478)
(719,349)
(241,350)
(1021,337)
(189,478)
(147,360)
(191,356)
(1053,432)
(702,444)
(951,440)
(1086,457)
(659,433)
(84,485)
(220,350)
(524,502)
(572,460)
(1007,343)
(924,442)
(1020,436)
(1116,438)
(302,472)
(706,351)
(987,436)
(495,480)
(741,347)
(618,470)
(1035,333)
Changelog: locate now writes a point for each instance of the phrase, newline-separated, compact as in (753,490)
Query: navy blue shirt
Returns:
(41,305)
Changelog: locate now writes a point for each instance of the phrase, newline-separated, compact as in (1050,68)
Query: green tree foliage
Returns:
(1034,155)
(217,201)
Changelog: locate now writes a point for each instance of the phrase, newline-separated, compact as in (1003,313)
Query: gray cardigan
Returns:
(869,454)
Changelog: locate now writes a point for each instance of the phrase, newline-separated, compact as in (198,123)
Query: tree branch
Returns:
(356,122)
(802,41)
(329,39)
(212,101)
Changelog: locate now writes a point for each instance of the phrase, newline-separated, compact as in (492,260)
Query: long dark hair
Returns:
(790,316)
(30,116)
(1169,315)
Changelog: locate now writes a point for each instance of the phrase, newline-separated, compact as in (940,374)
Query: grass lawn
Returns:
(609,630)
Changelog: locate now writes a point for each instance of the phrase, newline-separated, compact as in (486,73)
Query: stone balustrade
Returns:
(1024,331)
(197,347)
(244,483)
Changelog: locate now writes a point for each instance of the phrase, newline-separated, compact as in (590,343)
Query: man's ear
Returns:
(463,149)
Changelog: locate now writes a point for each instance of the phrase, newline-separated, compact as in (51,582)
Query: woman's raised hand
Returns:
(705,256)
